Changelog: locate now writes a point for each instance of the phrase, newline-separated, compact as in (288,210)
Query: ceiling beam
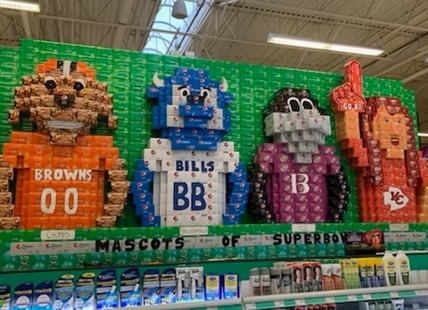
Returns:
(124,15)
(26,24)
(346,18)
(401,57)
(209,37)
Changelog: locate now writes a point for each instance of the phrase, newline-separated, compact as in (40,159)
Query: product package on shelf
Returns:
(196,178)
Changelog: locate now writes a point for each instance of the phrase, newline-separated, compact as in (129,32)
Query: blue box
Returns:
(151,221)
(147,209)
(141,198)
(231,219)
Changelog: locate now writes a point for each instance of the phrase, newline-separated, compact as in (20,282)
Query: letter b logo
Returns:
(299,183)
(182,198)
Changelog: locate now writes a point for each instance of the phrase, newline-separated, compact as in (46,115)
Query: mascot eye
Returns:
(205,92)
(50,83)
(184,92)
(79,85)
(386,120)
(307,104)
(399,121)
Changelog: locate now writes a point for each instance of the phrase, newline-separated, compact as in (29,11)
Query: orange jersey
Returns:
(59,187)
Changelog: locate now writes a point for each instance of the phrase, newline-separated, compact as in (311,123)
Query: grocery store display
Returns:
(297,178)
(197,178)
(61,170)
(376,136)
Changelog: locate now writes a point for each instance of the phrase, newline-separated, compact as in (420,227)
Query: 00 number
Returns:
(69,209)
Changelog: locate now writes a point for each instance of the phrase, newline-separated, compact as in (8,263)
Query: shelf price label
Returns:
(330,300)
(352,297)
(421,293)
(394,294)
(300,302)
(398,227)
(250,306)
(279,304)
(212,308)
(367,296)
(303,227)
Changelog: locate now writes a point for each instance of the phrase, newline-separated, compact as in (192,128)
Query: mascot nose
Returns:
(195,99)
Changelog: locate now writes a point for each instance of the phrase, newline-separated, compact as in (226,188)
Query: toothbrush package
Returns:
(107,289)
(130,295)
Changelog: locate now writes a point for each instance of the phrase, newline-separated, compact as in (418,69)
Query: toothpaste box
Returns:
(107,289)
(43,296)
(23,297)
(183,284)
(85,292)
(130,292)
(64,293)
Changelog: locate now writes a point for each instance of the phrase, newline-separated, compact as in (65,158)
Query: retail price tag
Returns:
(352,297)
(398,227)
(330,300)
(279,304)
(300,302)
(212,308)
(394,294)
(303,227)
(194,231)
(250,306)
(421,293)
(367,296)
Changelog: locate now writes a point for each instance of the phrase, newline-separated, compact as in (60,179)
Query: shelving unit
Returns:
(301,299)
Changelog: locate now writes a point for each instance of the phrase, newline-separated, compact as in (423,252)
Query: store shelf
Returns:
(341,296)
(229,304)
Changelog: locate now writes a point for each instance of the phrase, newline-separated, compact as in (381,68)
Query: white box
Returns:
(218,113)
(152,154)
(157,194)
(306,147)
(293,147)
(172,110)
(326,125)
(153,165)
(160,144)
(210,219)
(225,146)
(289,126)
(296,136)
(313,123)
(215,124)
(302,158)
(279,138)
(232,157)
(310,135)
(175,121)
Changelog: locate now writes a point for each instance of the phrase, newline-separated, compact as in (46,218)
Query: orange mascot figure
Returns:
(62,172)
(377,138)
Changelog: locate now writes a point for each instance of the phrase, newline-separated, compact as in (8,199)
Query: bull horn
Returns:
(157,81)
(223,85)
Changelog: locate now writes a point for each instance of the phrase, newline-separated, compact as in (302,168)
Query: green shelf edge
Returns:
(221,230)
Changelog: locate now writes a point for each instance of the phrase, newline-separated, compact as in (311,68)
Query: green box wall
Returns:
(128,73)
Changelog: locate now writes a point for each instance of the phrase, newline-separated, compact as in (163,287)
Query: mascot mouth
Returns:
(395,141)
(67,125)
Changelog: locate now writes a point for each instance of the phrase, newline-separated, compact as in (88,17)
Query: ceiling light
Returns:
(320,45)
(179,10)
(32,6)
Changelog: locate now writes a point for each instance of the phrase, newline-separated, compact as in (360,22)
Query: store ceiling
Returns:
(237,31)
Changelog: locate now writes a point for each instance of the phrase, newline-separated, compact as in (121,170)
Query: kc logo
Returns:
(395,198)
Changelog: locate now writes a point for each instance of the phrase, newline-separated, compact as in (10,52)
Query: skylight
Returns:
(160,42)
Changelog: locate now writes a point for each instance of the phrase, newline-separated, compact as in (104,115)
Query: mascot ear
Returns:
(157,81)
(223,85)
